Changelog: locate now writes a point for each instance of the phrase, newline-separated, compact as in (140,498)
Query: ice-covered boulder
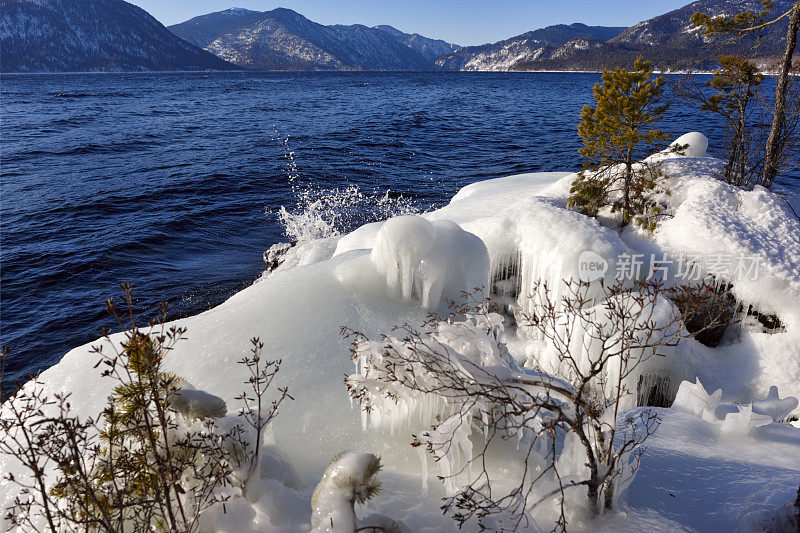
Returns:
(276,254)
(430,262)
(197,404)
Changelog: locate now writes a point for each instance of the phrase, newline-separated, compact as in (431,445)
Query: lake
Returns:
(173,181)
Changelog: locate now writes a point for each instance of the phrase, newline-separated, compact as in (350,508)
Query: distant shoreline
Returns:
(148,72)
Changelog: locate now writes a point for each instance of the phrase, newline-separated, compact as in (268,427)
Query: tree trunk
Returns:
(773,151)
(733,157)
(609,494)
(738,157)
(626,203)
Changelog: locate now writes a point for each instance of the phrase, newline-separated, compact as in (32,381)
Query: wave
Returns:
(322,213)
(108,94)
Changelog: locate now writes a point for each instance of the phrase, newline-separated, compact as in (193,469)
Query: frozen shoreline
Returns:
(347,281)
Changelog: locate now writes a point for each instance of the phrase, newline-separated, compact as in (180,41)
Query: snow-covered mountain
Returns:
(91,35)
(430,48)
(545,43)
(671,41)
(674,28)
(282,39)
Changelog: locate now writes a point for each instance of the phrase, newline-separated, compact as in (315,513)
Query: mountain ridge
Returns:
(282,39)
(92,35)
(502,55)
(113,35)
(671,42)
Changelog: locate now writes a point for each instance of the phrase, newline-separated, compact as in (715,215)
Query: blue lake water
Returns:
(172,181)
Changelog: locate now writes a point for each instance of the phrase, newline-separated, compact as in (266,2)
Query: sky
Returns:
(464,22)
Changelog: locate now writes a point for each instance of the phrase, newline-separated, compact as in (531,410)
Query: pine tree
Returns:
(733,93)
(749,23)
(735,82)
(617,133)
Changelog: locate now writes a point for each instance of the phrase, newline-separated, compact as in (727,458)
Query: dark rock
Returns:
(276,255)
(770,322)
(707,311)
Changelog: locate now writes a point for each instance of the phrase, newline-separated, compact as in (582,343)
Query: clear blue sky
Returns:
(461,21)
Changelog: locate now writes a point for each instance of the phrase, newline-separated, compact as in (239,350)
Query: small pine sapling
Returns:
(137,466)
(618,133)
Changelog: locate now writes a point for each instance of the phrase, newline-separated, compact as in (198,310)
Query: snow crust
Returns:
(508,234)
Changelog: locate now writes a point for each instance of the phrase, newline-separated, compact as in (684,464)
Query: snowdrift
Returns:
(506,235)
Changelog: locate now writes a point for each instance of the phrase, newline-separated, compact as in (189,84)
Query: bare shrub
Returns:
(569,422)
(142,463)
(256,413)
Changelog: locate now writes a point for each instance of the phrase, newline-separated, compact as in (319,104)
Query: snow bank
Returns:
(725,225)
(715,467)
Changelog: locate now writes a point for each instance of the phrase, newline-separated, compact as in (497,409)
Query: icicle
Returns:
(423,458)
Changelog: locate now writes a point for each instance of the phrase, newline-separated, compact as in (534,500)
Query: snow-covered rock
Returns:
(198,404)
(696,144)
(430,262)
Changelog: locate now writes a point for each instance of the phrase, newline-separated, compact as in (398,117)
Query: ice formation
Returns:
(588,337)
(466,345)
(198,404)
(744,421)
(350,479)
(433,263)
(692,398)
(774,406)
